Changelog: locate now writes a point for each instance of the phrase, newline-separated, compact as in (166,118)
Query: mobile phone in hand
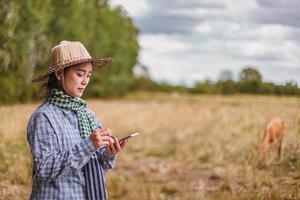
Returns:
(127,137)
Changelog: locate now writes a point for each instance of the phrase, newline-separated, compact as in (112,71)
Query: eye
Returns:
(80,74)
(89,75)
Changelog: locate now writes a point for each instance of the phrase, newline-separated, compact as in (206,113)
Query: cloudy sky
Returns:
(183,41)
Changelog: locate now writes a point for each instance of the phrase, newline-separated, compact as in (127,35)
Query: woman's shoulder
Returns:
(39,116)
(46,109)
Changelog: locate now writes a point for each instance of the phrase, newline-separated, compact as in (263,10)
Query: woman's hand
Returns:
(114,146)
(100,137)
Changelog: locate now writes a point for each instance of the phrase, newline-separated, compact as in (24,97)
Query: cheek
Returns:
(72,81)
(77,79)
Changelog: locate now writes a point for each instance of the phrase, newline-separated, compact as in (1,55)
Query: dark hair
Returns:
(52,83)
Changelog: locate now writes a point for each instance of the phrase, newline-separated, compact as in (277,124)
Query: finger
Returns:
(117,144)
(109,151)
(111,140)
(104,132)
(101,133)
(112,148)
(103,143)
(109,131)
(104,138)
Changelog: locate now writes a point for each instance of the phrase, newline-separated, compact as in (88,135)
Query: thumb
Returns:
(123,144)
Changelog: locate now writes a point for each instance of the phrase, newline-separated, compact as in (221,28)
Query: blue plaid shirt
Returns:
(59,154)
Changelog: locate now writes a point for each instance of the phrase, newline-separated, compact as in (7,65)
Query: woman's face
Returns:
(76,78)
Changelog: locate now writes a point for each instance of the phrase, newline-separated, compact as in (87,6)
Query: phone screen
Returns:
(127,137)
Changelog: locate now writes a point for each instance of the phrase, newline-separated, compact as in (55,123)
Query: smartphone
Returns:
(127,137)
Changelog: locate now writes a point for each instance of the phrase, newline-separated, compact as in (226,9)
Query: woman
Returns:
(70,148)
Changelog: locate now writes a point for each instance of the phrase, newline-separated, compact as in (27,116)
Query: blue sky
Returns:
(183,41)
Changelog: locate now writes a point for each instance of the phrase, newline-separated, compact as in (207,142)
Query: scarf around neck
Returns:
(86,121)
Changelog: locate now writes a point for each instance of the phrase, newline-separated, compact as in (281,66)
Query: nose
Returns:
(84,81)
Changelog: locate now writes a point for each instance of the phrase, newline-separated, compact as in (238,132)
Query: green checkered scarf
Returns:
(85,119)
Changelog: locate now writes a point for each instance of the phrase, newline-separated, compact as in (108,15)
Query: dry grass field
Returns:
(190,147)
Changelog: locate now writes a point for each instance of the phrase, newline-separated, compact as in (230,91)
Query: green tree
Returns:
(225,75)
(226,87)
(250,74)
(225,84)
(24,24)
(291,88)
(29,29)
(121,44)
(250,80)
(206,87)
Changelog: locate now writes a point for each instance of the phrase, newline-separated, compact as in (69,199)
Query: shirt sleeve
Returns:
(107,162)
(51,162)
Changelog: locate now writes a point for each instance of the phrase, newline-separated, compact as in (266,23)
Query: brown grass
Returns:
(190,147)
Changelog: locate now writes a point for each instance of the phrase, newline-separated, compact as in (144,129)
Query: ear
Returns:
(58,74)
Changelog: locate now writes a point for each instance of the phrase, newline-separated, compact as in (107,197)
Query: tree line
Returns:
(29,29)
(250,81)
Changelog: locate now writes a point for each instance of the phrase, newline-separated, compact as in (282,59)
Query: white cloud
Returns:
(161,43)
(204,28)
(186,41)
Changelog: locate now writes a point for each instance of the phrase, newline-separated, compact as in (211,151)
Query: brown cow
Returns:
(270,149)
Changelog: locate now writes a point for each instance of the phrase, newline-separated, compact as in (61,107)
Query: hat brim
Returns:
(96,63)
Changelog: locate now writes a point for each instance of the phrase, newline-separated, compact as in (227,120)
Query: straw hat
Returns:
(67,54)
